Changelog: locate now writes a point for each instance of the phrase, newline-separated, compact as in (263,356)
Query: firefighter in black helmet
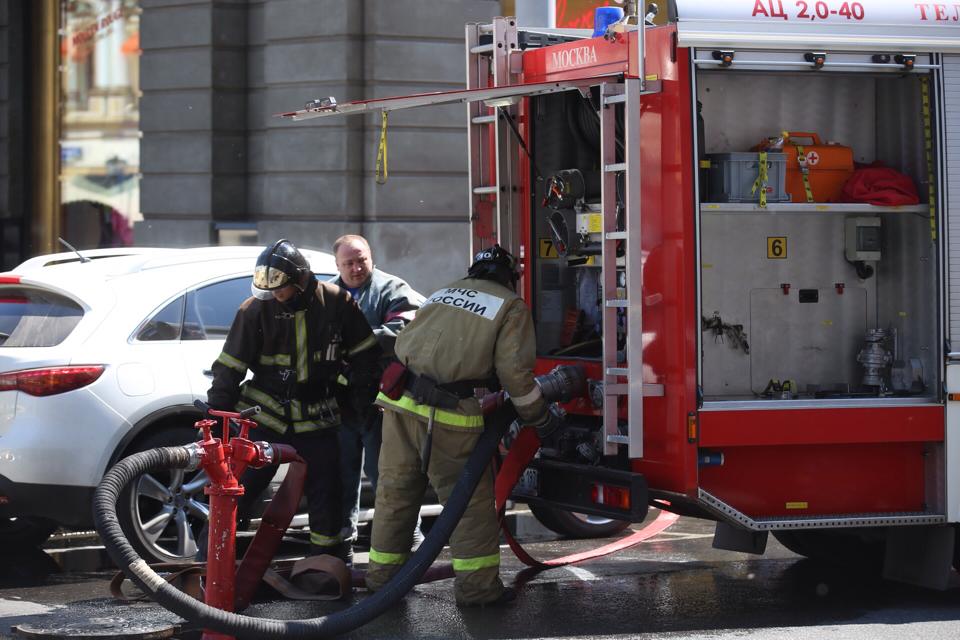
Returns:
(475,332)
(297,336)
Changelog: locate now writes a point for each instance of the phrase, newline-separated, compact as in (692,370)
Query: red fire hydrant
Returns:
(225,459)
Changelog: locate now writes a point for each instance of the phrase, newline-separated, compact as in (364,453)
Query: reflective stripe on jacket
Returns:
(471,330)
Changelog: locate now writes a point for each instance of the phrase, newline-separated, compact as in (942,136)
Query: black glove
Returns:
(362,396)
(551,422)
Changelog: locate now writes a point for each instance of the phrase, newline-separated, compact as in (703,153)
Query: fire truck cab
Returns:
(765,346)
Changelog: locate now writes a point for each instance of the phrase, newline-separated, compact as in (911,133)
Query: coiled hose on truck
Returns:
(126,558)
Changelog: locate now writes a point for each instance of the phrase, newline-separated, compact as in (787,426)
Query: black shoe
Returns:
(343,551)
(506,596)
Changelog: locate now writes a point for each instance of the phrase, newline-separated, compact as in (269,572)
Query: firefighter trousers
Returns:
(321,451)
(475,543)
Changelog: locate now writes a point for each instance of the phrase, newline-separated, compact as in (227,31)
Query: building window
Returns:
(100,121)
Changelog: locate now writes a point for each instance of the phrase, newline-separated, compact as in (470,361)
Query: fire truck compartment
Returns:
(819,301)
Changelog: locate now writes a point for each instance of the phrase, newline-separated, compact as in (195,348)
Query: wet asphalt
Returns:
(673,586)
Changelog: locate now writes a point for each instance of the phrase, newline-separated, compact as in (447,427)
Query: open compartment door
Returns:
(492,96)
(493,167)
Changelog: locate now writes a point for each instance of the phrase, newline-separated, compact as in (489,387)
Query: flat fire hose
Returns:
(522,450)
(273,525)
(254,567)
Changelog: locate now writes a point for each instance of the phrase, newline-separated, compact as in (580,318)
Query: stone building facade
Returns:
(217,166)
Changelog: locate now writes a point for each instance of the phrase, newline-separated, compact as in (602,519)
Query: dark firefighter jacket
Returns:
(297,351)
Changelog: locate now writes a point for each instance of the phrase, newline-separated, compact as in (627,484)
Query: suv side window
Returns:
(165,324)
(211,309)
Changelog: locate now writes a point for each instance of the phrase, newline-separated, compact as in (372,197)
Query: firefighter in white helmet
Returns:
(477,332)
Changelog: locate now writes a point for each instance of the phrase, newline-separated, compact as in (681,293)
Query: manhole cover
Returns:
(99,628)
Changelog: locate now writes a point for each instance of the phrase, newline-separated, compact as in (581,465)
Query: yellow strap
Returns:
(802,161)
(382,150)
(928,148)
(761,181)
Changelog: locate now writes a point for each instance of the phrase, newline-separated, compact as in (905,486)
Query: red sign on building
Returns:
(578,14)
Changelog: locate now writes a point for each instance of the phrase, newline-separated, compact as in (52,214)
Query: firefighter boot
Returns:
(506,596)
(343,551)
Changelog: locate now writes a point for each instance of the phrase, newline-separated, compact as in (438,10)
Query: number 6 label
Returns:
(777,248)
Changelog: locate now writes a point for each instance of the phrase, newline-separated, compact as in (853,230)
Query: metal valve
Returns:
(818,58)
(725,56)
(905,59)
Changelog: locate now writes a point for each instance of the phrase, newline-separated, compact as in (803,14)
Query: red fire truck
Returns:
(766,345)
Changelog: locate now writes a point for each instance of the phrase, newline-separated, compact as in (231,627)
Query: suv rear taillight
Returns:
(50,381)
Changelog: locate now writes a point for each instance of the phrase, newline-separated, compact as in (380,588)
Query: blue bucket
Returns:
(603,17)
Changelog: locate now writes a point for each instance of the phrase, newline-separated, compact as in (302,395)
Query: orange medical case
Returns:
(829,166)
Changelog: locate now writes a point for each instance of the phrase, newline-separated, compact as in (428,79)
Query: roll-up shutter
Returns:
(832,25)
(951,118)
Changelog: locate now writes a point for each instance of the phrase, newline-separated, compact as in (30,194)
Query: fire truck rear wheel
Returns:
(162,514)
(845,548)
(577,525)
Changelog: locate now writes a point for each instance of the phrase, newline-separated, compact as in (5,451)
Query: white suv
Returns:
(103,357)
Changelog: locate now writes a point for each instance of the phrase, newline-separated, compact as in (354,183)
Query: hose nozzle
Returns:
(564,383)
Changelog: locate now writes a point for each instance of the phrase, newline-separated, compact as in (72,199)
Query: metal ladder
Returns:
(623,295)
(494,197)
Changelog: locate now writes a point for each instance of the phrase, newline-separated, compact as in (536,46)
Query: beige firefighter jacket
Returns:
(471,330)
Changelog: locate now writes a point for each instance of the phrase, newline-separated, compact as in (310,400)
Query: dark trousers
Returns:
(321,451)
(359,441)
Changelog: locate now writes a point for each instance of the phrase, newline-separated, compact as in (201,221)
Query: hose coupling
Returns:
(267,455)
(195,453)
(563,383)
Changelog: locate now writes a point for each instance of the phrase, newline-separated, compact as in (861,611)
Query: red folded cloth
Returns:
(880,186)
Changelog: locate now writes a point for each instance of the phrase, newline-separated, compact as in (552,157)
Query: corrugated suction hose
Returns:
(123,554)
